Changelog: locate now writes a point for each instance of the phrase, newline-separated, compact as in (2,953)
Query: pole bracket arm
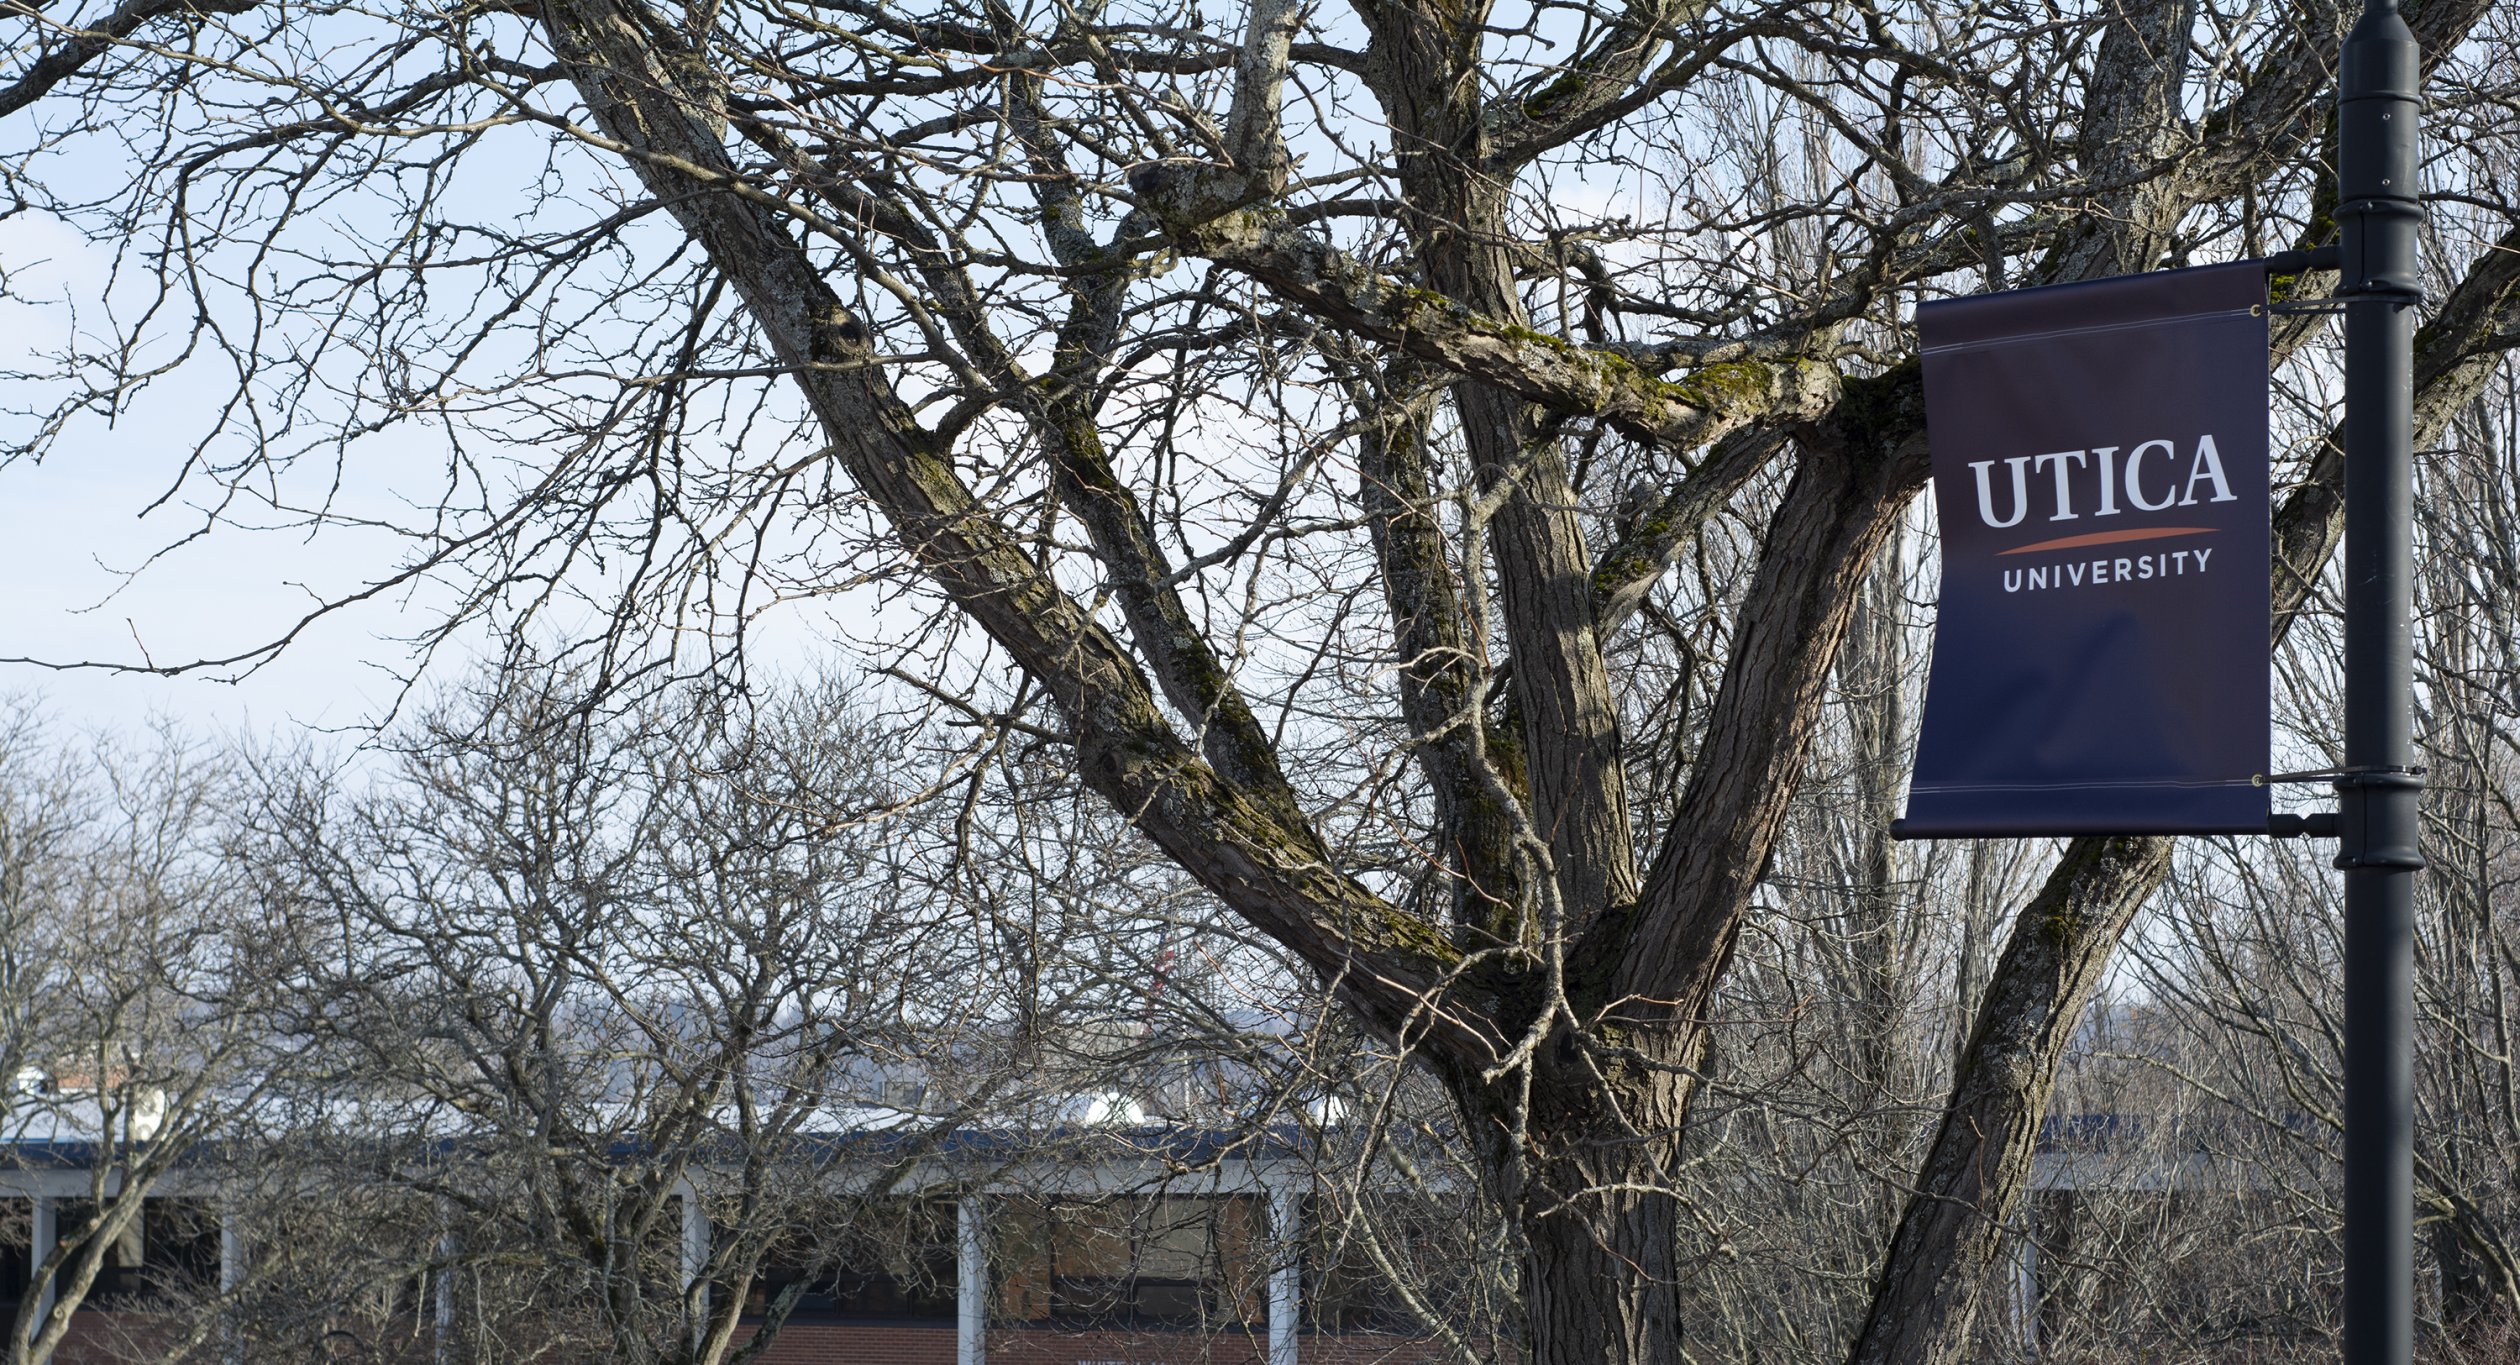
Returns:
(2317,824)
(2340,778)
(2382,290)
(2304,261)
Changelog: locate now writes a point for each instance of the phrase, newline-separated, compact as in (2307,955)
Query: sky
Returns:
(68,533)
(73,529)
(106,573)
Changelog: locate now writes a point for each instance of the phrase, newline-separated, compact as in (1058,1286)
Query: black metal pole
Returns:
(2377,109)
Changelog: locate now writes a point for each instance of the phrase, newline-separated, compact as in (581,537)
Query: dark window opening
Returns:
(17,1232)
(895,1263)
(1347,1288)
(1130,1262)
(171,1251)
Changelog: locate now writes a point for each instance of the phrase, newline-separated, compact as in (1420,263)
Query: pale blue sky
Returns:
(71,526)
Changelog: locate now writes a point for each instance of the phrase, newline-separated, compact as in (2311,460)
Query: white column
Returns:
(2025,1295)
(971,1284)
(1286,1272)
(695,1262)
(443,1308)
(231,1279)
(45,1231)
(231,1252)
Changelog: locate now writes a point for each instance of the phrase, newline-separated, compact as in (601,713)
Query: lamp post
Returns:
(2378,102)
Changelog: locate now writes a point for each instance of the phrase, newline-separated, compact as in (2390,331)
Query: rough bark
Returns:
(1254,848)
(1580,1152)
(1443,677)
(1855,476)
(1565,1005)
(1578,1141)
(1954,1227)
(1422,65)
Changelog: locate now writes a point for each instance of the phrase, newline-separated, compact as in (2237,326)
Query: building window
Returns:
(1130,1262)
(888,1262)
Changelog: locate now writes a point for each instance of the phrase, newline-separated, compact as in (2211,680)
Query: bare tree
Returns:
(2245,961)
(1420,463)
(576,978)
(135,1017)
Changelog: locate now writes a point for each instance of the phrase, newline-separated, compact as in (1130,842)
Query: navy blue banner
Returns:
(2100,474)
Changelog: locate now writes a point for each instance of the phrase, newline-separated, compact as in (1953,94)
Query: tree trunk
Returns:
(1586,1162)
(1954,1229)
(1623,1238)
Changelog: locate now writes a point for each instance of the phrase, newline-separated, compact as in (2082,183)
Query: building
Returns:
(1133,1242)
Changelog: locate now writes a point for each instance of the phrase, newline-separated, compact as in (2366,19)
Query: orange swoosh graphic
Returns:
(2110,538)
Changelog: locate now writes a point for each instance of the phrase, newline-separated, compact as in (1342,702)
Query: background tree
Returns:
(566,972)
(133,1018)
(1421,462)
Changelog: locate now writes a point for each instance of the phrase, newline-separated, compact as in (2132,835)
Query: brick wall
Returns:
(123,1338)
(115,1338)
(867,1344)
(811,1343)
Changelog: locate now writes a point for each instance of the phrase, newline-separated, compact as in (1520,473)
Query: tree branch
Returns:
(1249,847)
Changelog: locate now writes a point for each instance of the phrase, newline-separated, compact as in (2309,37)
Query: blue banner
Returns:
(2101,650)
